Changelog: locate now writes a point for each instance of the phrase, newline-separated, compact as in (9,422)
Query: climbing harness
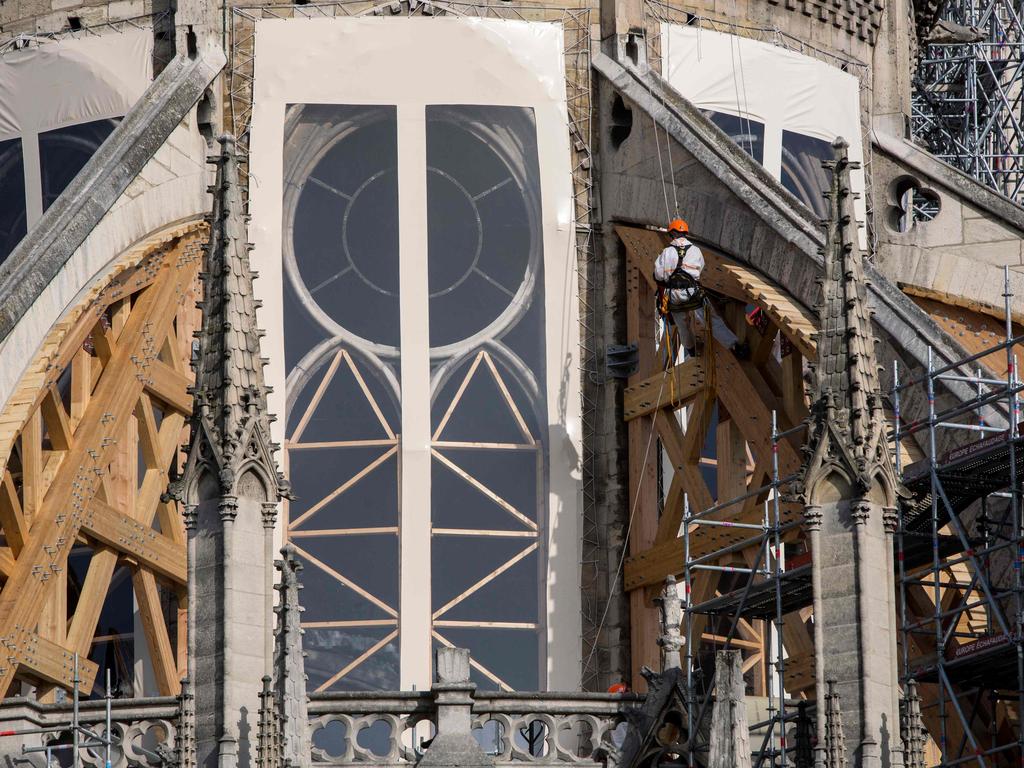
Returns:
(680,280)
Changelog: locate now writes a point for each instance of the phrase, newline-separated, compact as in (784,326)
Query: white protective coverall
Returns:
(693,264)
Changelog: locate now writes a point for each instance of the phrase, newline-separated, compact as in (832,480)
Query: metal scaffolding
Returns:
(769,591)
(967,102)
(960,549)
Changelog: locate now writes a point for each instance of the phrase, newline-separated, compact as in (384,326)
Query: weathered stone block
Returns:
(987,230)
(126,9)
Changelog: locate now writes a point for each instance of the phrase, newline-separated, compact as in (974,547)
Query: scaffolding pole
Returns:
(769,566)
(976,666)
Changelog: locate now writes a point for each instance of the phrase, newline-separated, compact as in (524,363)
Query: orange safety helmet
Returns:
(678,225)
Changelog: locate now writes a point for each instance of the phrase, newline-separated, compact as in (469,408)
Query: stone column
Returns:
(454,745)
(229,723)
(269,521)
(671,616)
(730,736)
(812,524)
(189,517)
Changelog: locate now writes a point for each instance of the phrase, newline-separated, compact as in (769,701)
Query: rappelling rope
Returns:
(661,168)
(742,106)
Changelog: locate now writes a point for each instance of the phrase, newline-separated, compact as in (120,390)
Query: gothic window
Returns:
(747,133)
(341,344)
(488,473)
(483,496)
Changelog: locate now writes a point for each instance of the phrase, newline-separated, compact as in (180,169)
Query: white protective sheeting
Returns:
(73,80)
(414,63)
(784,90)
(67,82)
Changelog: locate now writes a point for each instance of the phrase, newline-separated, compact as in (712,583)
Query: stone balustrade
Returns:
(393,729)
(144,731)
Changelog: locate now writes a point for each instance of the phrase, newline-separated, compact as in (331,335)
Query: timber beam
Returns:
(668,389)
(135,540)
(44,660)
(68,502)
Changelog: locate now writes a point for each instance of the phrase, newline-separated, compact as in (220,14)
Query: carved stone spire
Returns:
(230,415)
(849,489)
(230,488)
(289,664)
(913,730)
(835,746)
(847,430)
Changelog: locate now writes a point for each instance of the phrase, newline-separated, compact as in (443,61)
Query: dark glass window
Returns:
(488,478)
(12,196)
(802,173)
(344,226)
(341,309)
(488,408)
(63,152)
(748,134)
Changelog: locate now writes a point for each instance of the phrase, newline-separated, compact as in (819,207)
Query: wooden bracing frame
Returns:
(674,411)
(745,393)
(86,444)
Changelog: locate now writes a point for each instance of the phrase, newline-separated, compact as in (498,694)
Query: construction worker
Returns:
(677,272)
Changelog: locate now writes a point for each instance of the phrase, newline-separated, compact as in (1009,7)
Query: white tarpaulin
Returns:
(791,95)
(409,143)
(57,86)
(73,80)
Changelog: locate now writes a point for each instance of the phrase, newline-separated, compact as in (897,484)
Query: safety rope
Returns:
(742,106)
(661,169)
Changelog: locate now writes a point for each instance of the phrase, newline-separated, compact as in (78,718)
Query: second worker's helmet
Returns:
(678,225)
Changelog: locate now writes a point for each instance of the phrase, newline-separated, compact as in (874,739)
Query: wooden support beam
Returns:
(12,519)
(761,349)
(58,427)
(793,401)
(32,487)
(56,527)
(732,460)
(149,435)
(748,407)
(154,483)
(165,667)
(684,452)
(170,386)
(651,566)
(687,476)
(81,385)
(643,476)
(90,602)
(671,390)
(44,660)
(154,550)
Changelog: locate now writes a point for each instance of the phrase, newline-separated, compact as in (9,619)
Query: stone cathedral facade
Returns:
(337,424)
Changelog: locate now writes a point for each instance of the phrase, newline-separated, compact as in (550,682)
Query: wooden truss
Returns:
(86,444)
(741,394)
(744,393)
